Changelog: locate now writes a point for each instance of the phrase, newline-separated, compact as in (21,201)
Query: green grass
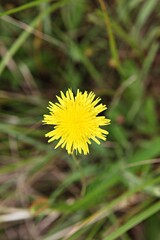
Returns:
(48,46)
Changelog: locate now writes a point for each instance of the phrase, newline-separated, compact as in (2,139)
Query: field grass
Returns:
(112,49)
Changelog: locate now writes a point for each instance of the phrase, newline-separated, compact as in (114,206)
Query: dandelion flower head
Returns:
(76,121)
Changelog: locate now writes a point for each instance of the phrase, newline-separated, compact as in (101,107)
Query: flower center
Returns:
(77,120)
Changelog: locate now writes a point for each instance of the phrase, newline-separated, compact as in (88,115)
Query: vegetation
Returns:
(112,49)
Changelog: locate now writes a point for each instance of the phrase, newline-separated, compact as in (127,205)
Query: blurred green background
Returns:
(111,48)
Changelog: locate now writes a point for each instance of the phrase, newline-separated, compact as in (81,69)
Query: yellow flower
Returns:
(76,121)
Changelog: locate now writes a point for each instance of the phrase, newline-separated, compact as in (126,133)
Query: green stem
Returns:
(83,180)
(112,42)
